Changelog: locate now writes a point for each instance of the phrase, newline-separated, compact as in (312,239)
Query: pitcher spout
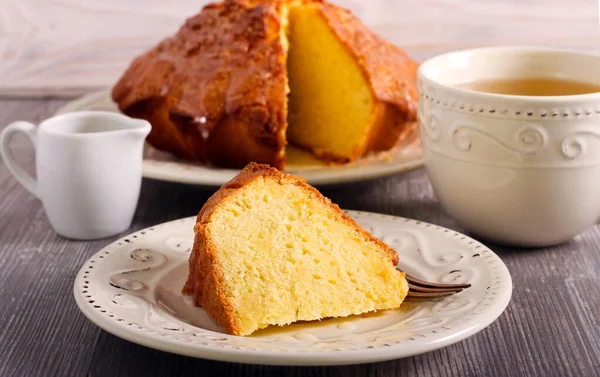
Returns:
(141,128)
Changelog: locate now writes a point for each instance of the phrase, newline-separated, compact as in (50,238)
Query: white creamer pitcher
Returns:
(88,167)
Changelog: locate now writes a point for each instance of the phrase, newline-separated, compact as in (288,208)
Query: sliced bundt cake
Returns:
(218,90)
(271,250)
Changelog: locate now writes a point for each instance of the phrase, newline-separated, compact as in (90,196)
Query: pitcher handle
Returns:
(31,131)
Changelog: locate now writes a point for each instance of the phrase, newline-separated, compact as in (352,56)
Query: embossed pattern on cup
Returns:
(512,169)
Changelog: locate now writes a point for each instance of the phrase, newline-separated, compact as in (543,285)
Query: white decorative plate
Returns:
(132,290)
(163,166)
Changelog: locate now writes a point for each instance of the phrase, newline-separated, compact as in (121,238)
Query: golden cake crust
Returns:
(203,283)
(215,92)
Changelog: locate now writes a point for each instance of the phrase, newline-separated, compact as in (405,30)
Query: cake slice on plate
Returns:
(271,250)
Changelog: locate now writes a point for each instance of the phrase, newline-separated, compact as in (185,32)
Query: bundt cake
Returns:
(243,78)
(271,250)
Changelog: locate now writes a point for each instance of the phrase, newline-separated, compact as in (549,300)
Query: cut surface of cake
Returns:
(271,250)
(350,91)
(243,78)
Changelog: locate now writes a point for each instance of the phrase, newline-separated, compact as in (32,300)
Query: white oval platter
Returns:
(163,166)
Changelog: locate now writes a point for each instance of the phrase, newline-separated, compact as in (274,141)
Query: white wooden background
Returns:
(71,47)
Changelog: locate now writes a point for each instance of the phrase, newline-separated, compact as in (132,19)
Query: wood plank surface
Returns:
(71,47)
(550,328)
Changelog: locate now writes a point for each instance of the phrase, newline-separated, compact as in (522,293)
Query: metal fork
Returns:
(418,288)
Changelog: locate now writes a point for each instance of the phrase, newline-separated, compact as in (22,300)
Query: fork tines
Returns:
(418,288)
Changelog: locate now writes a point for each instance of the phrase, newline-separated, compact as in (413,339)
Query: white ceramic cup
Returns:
(517,170)
(88,168)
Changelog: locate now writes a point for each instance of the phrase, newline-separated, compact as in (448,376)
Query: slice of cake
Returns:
(271,250)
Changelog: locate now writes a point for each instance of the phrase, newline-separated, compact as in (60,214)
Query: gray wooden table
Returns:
(550,328)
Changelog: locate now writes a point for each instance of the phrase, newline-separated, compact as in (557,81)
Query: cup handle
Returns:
(31,131)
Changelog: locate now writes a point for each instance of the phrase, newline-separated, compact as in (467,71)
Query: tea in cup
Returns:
(511,139)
